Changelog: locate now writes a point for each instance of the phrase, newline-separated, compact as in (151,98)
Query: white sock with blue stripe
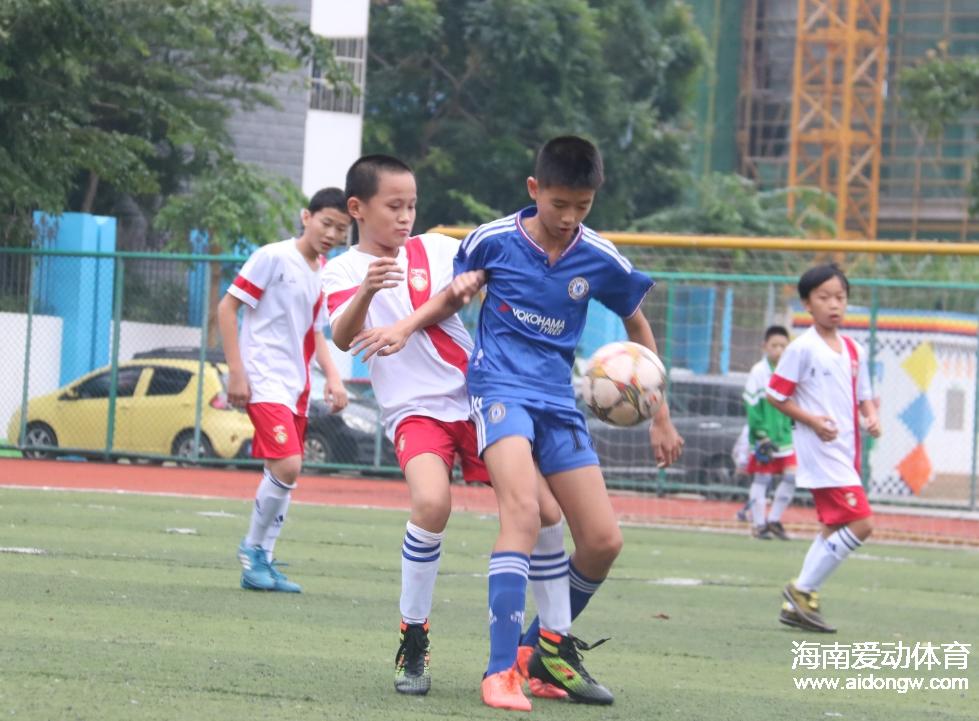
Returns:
(549,579)
(824,556)
(271,501)
(420,554)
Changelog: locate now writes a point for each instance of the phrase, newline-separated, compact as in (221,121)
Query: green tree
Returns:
(106,97)
(727,204)
(938,92)
(228,202)
(731,205)
(467,90)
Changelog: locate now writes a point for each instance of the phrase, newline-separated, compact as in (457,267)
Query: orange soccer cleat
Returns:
(503,690)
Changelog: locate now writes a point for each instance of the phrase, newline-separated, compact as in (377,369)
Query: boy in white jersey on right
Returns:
(822,383)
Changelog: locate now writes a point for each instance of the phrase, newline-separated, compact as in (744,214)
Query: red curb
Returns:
(367,492)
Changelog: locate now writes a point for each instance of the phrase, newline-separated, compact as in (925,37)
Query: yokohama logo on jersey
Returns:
(546,325)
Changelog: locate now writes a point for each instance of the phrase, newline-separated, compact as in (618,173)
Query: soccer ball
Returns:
(624,383)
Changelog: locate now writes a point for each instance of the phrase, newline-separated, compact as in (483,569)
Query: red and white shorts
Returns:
(841,505)
(775,467)
(279,433)
(446,439)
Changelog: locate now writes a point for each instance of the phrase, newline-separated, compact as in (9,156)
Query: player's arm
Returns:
(792,367)
(334,393)
(868,409)
(667,443)
(382,273)
(388,340)
(238,391)
(824,426)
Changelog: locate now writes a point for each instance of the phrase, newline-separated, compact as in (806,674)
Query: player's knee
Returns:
(430,511)
(522,517)
(603,548)
(287,469)
(864,529)
(550,512)
(611,544)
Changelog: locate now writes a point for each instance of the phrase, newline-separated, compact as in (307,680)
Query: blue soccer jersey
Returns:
(534,312)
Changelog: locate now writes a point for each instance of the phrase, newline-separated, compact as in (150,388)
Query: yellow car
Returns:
(156,400)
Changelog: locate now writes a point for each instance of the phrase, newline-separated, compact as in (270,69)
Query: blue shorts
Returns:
(558,434)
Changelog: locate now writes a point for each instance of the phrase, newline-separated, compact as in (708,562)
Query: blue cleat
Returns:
(283,584)
(256,572)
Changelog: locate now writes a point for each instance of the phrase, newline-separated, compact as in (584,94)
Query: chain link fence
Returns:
(116,356)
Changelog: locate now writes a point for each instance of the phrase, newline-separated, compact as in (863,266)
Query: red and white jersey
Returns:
(830,384)
(284,299)
(428,376)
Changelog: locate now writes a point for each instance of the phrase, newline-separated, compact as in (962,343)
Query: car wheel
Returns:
(316,449)
(39,434)
(719,472)
(183,446)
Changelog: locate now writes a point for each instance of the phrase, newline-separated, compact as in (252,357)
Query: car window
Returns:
(168,381)
(99,386)
(705,399)
(733,402)
(680,398)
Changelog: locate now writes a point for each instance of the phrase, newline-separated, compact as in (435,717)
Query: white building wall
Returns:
(340,18)
(139,337)
(45,360)
(332,145)
(333,139)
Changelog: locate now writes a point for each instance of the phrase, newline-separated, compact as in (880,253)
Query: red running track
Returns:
(364,492)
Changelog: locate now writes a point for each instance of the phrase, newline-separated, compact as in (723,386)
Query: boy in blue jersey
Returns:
(540,267)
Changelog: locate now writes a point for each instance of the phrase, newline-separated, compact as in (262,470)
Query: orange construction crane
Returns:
(838,93)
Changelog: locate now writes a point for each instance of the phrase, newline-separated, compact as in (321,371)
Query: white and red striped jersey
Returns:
(284,299)
(829,384)
(428,376)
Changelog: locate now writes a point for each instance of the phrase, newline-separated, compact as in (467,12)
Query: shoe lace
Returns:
(274,566)
(570,650)
(413,646)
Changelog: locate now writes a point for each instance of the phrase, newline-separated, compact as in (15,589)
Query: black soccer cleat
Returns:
(411,664)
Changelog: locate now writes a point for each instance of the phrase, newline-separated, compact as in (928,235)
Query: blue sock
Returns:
(582,589)
(507,596)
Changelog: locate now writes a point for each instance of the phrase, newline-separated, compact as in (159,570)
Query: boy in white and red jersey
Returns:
(823,384)
(268,366)
(421,391)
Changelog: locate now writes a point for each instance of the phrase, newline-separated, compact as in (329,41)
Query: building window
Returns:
(955,409)
(351,56)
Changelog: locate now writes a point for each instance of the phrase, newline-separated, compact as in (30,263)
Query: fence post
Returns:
(871,365)
(22,439)
(975,419)
(199,401)
(117,298)
(666,356)
(378,439)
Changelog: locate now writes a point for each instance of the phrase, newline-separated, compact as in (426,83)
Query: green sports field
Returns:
(133,611)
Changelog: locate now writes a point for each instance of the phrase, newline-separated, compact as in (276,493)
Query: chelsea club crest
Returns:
(578,288)
(497,412)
